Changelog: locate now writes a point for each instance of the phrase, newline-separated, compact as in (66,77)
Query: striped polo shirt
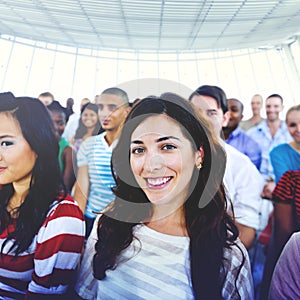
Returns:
(95,153)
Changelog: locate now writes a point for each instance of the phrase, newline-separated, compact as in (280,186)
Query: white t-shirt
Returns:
(71,126)
(157,266)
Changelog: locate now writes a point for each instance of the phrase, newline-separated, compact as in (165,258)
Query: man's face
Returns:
(273,108)
(59,120)
(212,111)
(46,100)
(256,104)
(112,111)
(235,112)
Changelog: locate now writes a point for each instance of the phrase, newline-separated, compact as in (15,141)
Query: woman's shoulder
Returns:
(236,268)
(235,253)
(64,219)
(279,149)
(65,207)
(236,259)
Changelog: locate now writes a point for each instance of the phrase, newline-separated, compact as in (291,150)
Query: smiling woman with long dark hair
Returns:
(167,235)
(41,227)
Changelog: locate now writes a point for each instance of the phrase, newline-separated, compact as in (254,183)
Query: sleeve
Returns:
(285,281)
(86,285)
(245,188)
(284,190)
(83,153)
(278,162)
(238,282)
(71,126)
(59,246)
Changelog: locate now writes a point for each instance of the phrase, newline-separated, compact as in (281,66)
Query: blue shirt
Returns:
(261,134)
(284,158)
(245,144)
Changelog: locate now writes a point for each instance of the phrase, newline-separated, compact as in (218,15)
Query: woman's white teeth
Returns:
(158,181)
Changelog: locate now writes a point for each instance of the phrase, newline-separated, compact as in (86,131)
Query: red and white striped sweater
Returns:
(47,267)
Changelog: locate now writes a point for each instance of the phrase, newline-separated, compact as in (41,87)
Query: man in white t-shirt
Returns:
(242,180)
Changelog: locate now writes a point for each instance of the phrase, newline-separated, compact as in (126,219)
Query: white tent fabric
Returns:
(160,25)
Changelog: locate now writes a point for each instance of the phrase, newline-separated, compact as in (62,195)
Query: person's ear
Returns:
(199,158)
(128,109)
(226,118)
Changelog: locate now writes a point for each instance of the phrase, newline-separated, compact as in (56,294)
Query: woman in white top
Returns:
(167,235)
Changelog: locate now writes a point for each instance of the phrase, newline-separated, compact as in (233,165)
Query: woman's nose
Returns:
(153,162)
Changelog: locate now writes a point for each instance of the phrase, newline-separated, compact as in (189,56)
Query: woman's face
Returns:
(293,124)
(162,160)
(17,159)
(89,118)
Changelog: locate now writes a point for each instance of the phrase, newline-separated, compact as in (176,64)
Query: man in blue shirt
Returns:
(236,137)
(270,133)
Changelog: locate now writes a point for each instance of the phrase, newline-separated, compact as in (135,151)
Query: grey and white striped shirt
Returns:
(157,266)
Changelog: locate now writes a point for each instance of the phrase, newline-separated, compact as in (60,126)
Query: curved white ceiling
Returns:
(153,24)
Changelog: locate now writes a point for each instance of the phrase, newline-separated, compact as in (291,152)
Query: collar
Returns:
(235,132)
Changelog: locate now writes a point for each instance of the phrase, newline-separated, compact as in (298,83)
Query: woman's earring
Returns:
(199,166)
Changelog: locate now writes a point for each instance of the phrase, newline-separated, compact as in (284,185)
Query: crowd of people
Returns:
(163,198)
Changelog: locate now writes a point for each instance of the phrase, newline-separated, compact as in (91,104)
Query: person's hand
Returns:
(268,189)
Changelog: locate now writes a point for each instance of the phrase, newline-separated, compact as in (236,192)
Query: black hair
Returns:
(212,91)
(47,94)
(46,184)
(117,92)
(209,226)
(56,107)
(82,130)
(240,103)
(275,96)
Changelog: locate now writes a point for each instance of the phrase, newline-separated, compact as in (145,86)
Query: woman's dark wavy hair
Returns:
(46,184)
(82,130)
(209,226)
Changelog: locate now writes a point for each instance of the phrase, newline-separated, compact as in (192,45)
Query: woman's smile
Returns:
(162,160)
(158,183)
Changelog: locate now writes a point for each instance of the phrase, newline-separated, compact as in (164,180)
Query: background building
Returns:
(78,48)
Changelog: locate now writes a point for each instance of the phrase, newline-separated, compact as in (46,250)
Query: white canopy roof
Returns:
(153,25)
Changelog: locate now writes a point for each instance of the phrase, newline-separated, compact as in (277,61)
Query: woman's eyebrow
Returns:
(6,136)
(137,142)
(166,138)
